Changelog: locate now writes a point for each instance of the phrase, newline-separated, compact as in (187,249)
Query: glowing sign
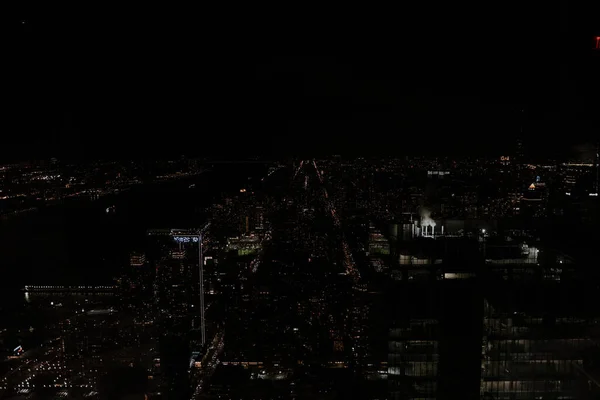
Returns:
(504,158)
(186,239)
(438,173)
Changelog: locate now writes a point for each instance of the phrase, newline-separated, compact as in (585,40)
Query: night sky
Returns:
(299,80)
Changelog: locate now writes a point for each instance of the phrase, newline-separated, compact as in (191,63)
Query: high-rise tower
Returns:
(519,147)
(597,168)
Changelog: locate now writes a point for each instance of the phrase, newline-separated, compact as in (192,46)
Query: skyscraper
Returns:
(519,146)
(597,168)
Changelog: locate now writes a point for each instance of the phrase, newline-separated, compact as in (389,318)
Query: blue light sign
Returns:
(186,239)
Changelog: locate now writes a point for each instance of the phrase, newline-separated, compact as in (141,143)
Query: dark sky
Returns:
(298,80)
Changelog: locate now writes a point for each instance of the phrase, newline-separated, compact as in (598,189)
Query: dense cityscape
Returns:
(322,278)
(258,201)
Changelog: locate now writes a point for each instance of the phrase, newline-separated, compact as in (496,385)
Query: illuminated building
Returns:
(532,349)
(251,218)
(174,294)
(537,324)
(570,179)
(260,219)
(244,245)
(580,179)
(437,174)
(534,199)
(245,225)
(137,259)
(177,254)
(378,244)
(180,273)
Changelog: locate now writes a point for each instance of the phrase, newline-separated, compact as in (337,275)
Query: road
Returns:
(349,263)
(44,357)
(209,364)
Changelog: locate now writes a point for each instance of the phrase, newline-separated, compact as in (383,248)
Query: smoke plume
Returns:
(426,217)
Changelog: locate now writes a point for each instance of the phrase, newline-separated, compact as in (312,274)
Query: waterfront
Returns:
(80,243)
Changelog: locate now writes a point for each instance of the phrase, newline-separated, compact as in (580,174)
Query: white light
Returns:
(483,231)
(594,194)
(186,239)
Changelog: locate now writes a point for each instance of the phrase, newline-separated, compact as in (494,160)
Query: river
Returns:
(78,242)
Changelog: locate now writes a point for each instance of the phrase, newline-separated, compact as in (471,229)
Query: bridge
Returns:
(69,289)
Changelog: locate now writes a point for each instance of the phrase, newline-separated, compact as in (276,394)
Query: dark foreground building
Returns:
(496,326)
(174,363)
(124,383)
(435,340)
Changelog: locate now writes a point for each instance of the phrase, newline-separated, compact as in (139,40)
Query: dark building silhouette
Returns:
(460,345)
(519,151)
(175,362)
(436,324)
(124,383)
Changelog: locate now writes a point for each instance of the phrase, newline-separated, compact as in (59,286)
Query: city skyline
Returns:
(254,201)
(370,278)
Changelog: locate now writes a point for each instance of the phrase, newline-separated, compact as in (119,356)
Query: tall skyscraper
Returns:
(519,146)
(597,170)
